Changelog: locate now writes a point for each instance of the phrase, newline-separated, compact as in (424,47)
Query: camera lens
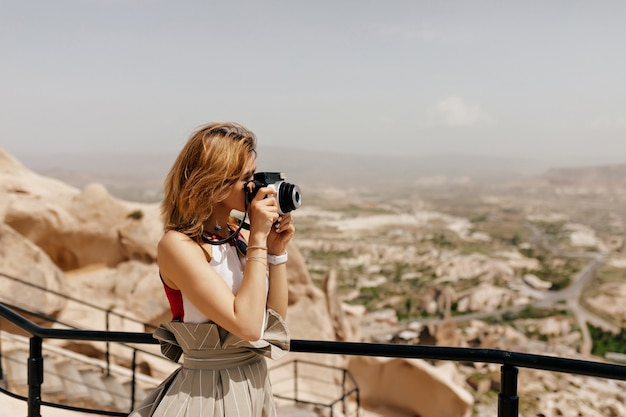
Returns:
(289,197)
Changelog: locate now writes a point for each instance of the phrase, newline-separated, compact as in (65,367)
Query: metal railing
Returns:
(348,386)
(107,312)
(508,400)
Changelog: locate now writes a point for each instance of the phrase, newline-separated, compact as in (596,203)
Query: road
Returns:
(569,296)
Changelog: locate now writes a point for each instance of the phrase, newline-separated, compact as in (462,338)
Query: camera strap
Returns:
(233,235)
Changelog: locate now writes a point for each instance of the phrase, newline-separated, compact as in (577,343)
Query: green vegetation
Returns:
(605,342)
(529,312)
(607,274)
(409,279)
(444,239)
(552,229)
(557,270)
(329,257)
(419,259)
(365,210)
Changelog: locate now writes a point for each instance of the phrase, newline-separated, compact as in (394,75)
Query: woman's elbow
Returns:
(250,331)
(250,335)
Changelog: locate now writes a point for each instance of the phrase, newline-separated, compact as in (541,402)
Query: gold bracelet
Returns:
(256,247)
(256,258)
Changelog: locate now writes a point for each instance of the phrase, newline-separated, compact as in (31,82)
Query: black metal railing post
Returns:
(295,380)
(343,391)
(133,381)
(508,400)
(107,353)
(1,370)
(358,402)
(35,376)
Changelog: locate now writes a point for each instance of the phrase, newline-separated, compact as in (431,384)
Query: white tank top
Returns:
(227,263)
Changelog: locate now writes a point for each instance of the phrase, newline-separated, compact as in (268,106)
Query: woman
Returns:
(227,291)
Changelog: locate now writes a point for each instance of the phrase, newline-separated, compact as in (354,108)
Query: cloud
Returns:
(453,111)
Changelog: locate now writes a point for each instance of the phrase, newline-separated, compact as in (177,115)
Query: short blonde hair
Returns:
(206,168)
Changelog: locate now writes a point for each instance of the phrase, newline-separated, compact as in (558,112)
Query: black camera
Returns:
(288,195)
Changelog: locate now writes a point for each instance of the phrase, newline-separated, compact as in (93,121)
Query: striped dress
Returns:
(221,374)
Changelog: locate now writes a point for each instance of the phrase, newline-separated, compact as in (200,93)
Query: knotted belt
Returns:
(208,346)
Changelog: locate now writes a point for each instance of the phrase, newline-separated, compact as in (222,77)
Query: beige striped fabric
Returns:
(221,375)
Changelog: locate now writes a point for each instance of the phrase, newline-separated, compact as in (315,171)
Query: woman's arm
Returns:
(279,237)
(277,296)
(183,266)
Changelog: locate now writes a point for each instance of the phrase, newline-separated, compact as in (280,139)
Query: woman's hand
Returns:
(263,212)
(281,233)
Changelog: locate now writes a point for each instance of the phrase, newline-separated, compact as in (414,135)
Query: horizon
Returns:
(37,160)
(140,175)
(529,80)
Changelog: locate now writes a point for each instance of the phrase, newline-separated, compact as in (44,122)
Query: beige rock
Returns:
(452,267)
(485,297)
(552,326)
(581,235)
(610,301)
(319,376)
(21,259)
(108,247)
(411,386)
(300,283)
(132,287)
(128,296)
(518,261)
(17,181)
(446,334)
(617,263)
(346,319)
(536,282)
(76,228)
(573,395)
(353,315)
(308,318)
(140,231)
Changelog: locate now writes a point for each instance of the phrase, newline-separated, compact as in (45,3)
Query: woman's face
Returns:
(236,198)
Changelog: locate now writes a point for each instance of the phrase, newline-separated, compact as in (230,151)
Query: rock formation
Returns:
(76,228)
(90,245)
(20,258)
(410,386)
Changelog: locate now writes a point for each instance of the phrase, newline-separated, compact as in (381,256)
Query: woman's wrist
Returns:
(257,239)
(259,259)
(251,248)
(277,259)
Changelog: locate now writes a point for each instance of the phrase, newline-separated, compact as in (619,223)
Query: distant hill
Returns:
(140,176)
(321,168)
(610,176)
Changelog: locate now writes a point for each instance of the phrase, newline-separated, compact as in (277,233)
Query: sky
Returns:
(527,79)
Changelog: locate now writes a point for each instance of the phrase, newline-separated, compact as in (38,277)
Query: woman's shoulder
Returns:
(176,244)
(173,239)
(174,234)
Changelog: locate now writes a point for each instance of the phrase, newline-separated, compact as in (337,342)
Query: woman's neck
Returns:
(217,223)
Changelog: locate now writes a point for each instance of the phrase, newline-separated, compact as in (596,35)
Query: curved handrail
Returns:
(460,354)
(73,334)
(76,300)
(508,400)
(464,354)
